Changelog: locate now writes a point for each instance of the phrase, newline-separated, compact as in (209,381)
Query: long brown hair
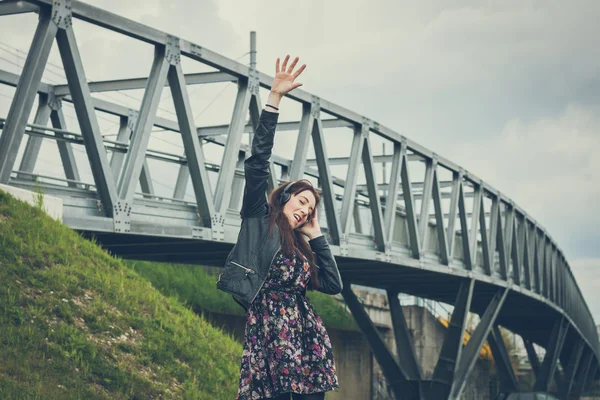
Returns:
(292,240)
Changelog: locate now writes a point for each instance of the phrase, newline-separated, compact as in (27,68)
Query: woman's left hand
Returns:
(312,229)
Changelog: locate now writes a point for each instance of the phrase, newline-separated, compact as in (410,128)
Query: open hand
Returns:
(311,228)
(285,76)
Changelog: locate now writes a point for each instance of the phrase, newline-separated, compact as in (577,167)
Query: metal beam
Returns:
(142,129)
(325,178)
(405,348)
(409,204)
(533,357)
(86,116)
(34,143)
(219,130)
(358,141)
(450,355)
(582,375)
(307,123)
(374,201)
(191,145)
(508,380)
(439,218)
(140,83)
(232,147)
(392,370)
(468,257)
(478,338)
(553,349)
(392,195)
(65,149)
(25,94)
(571,368)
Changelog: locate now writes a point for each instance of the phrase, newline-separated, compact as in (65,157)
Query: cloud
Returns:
(550,168)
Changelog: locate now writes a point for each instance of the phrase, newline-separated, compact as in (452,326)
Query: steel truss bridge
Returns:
(449,237)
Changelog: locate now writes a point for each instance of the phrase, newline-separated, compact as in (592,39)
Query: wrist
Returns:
(274,98)
(314,235)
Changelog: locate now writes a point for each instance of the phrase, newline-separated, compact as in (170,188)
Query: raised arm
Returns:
(256,167)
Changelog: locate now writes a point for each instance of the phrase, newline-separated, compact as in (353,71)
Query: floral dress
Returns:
(286,346)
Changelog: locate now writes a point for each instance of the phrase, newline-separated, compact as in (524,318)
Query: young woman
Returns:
(280,253)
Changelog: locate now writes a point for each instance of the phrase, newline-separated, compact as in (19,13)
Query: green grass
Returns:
(197,288)
(76,323)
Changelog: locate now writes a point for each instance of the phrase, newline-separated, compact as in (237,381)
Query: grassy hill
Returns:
(76,323)
(196,287)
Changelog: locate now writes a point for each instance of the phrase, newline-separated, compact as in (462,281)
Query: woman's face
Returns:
(299,208)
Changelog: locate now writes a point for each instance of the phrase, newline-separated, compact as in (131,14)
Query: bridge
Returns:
(448,236)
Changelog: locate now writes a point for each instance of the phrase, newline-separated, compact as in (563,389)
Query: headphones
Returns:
(285,194)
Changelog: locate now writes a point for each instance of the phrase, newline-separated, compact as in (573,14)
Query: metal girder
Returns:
(218,130)
(450,355)
(582,375)
(191,145)
(146,180)
(553,349)
(374,201)
(134,159)
(468,257)
(116,161)
(478,338)
(305,131)
(485,245)
(501,247)
(409,204)
(457,178)
(571,368)
(140,83)
(34,143)
(515,253)
(405,348)
(358,142)
(439,218)
(333,223)
(377,159)
(392,195)
(533,357)
(232,147)
(392,370)
(430,168)
(475,220)
(526,259)
(86,116)
(508,380)
(183,175)
(25,94)
(65,149)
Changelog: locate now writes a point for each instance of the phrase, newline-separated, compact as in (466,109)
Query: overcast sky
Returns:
(509,90)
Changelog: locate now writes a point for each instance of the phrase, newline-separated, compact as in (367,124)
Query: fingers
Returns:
(277,66)
(292,65)
(297,73)
(296,85)
(285,60)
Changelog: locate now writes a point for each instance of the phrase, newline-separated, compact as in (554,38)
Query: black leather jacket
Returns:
(247,264)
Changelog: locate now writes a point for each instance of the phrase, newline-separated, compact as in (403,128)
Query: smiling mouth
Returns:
(297,218)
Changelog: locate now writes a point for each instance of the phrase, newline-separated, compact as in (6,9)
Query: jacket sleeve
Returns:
(330,281)
(256,167)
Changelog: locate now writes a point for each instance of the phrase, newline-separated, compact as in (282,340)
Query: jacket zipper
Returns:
(248,270)
(264,280)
